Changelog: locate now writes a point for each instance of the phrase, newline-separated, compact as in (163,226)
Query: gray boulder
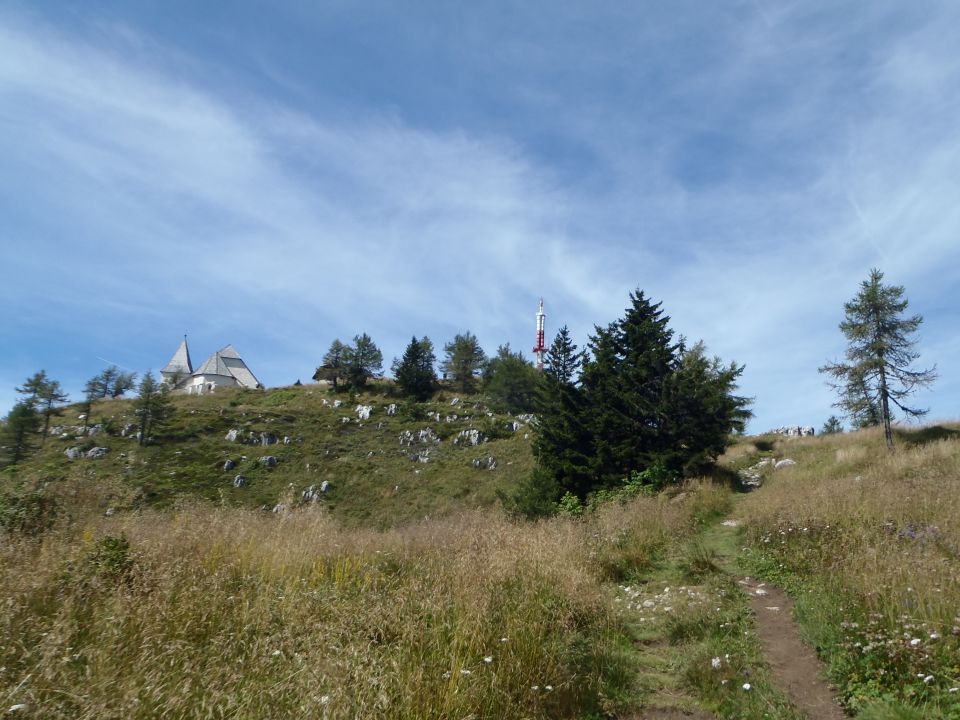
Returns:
(239,481)
(269,461)
(97,453)
(229,465)
(487,463)
(73,453)
(233,435)
(469,437)
(786,462)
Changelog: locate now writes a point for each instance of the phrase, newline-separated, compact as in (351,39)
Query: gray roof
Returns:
(180,362)
(227,362)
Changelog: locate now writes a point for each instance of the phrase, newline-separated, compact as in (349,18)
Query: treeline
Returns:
(508,379)
(27,425)
(637,406)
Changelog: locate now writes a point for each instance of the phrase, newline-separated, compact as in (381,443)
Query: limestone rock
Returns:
(233,435)
(786,462)
(471,436)
(73,453)
(97,453)
(239,481)
(269,461)
(229,465)
(392,409)
(363,412)
(487,463)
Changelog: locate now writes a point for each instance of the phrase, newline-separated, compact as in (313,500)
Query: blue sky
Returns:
(276,175)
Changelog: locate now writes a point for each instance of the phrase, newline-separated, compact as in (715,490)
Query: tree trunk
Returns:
(885,409)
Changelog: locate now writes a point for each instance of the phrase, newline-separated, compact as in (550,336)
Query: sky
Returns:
(275,175)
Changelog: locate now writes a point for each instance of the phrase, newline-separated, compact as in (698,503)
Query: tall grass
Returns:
(207,612)
(873,540)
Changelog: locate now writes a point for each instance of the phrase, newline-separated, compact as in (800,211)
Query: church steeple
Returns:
(179,364)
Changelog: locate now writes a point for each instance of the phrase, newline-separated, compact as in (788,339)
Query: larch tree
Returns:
(878,369)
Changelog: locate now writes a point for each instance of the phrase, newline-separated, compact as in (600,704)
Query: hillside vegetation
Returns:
(373,478)
(869,543)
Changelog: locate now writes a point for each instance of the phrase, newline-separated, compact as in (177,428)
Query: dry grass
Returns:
(880,533)
(226,613)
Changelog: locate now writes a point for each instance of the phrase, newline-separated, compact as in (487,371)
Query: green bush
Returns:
(27,514)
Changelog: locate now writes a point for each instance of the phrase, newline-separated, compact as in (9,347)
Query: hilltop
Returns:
(385,461)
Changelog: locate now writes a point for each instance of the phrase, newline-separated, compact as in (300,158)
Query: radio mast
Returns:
(539,350)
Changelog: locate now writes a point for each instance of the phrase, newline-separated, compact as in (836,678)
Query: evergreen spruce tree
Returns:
(123,382)
(702,411)
(563,445)
(832,426)
(880,352)
(414,373)
(91,392)
(626,388)
(33,387)
(510,381)
(464,361)
(152,406)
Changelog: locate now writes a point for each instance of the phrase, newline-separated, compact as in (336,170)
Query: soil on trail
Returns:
(794,665)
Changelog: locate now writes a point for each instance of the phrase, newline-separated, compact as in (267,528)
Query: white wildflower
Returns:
(466,672)
(488,659)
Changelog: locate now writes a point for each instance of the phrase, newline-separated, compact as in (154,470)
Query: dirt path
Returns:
(794,665)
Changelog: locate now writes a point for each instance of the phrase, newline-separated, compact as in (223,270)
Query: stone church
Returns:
(225,368)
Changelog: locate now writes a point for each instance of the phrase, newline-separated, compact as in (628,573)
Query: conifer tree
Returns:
(464,361)
(703,409)
(414,373)
(333,367)
(362,361)
(832,426)
(625,384)
(510,381)
(880,352)
(152,406)
(19,432)
(50,399)
(563,447)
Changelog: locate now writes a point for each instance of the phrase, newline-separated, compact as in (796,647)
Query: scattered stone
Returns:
(471,436)
(97,453)
(73,453)
(337,403)
(229,465)
(487,463)
(450,418)
(426,436)
(128,429)
(527,418)
(110,512)
(514,425)
(269,461)
(793,431)
(392,409)
(455,401)
(286,440)
(325,486)
(239,481)
(279,508)
(786,462)
(268,438)
(94,430)
(233,435)
(310,494)
(731,523)
(363,412)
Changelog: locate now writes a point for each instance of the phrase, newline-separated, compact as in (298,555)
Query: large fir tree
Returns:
(152,406)
(464,361)
(510,381)
(414,373)
(625,383)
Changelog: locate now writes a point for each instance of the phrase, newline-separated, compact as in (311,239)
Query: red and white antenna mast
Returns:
(539,350)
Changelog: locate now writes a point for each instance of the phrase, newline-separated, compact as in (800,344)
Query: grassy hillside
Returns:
(373,480)
(869,542)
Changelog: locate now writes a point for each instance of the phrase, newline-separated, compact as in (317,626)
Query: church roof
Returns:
(214,365)
(228,362)
(180,362)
